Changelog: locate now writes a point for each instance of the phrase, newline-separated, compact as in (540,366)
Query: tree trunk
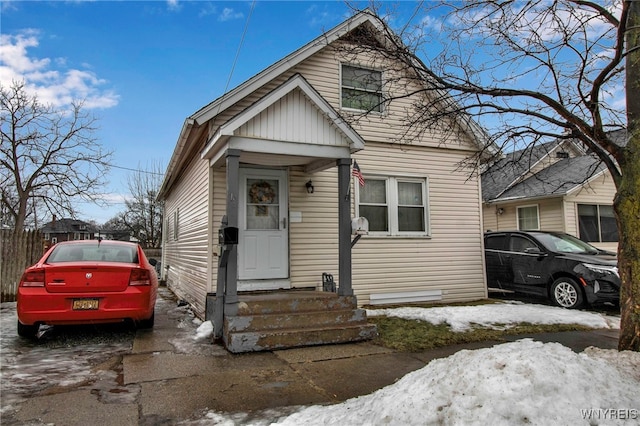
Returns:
(627,201)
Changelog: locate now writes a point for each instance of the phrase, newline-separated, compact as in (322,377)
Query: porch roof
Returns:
(291,125)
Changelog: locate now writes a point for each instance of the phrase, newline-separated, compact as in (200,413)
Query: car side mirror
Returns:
(534,250)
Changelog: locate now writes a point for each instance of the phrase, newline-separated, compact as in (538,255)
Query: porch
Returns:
(294,318)
(258,150)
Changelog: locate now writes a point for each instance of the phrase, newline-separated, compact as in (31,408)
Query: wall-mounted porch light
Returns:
(309,186)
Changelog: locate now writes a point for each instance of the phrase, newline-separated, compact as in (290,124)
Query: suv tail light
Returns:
(139,277)
(33,278)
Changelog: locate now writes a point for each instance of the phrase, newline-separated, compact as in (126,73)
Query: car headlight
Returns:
(602,269)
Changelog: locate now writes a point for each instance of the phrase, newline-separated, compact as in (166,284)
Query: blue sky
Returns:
(145,66)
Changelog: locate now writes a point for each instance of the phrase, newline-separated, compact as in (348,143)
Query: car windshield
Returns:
(103,252)
(564,243)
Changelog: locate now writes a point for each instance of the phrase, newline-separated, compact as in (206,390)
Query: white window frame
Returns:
(391,186)
(176,224)
(537,217)
(381,103)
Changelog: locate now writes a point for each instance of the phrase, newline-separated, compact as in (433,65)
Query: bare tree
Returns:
(143,214)
(49,158)
(529,72)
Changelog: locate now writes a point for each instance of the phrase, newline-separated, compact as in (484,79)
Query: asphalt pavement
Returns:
(164,381)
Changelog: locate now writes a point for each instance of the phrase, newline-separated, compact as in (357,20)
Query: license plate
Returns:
(85,304)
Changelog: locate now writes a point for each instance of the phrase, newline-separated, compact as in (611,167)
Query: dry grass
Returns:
(414,336)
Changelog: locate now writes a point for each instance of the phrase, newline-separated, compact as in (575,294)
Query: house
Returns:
(555,186)
(67,230)
(272,160)
(115,234)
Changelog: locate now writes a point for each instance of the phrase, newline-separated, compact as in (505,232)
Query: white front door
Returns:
(263,246)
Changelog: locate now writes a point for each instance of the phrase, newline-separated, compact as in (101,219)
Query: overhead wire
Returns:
(235,59)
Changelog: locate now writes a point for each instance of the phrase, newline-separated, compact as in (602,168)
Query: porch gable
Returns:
(295,119)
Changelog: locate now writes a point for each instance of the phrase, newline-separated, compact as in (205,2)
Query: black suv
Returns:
(555,265)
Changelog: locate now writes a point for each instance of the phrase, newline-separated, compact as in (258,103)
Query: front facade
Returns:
(274,158)
(552,187)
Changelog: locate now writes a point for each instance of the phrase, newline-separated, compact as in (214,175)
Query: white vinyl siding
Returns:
(448,262)
(401,265)
(504,217)
(384,266)
(186,257)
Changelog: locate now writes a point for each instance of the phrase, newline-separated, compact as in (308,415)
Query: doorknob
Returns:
(284,223)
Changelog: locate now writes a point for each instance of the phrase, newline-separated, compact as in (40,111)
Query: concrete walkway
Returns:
(157,384)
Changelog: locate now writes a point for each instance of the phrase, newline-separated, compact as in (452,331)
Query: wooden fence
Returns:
(17,251)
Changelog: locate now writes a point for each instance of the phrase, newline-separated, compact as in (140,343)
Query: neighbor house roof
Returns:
(558,179)
(510,178)
(505,173)
(63,226)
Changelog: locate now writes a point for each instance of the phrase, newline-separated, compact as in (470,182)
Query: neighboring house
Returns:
(67,230)
(555,186)
(274,156)
(115,234)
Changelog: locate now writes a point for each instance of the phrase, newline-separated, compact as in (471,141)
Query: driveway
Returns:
(166,376)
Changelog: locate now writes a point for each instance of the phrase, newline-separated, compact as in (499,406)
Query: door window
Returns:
(495,242)
(521,244)
(263,210)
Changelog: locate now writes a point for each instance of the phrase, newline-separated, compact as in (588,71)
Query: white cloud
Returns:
(207,9)
(173,5)
(228,14)
(49,78)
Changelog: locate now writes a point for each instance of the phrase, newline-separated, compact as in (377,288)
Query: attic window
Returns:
(361,89)
(562,154)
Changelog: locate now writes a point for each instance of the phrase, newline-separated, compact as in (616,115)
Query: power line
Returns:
(133,170)
(235,60)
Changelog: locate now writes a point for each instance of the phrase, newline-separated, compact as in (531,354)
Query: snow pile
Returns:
(498,315)
(204,331)
(518,383)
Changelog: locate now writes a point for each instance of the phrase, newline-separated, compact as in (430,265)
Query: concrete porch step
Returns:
(293,301)
(289,319)
(263,340)
(296,319)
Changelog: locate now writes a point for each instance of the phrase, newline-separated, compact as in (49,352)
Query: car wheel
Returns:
(28,331)
(148,323)
(566,293)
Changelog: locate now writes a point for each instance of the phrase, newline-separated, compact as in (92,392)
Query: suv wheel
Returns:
(566,293)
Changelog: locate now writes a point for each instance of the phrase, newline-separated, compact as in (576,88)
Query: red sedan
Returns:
(87,282)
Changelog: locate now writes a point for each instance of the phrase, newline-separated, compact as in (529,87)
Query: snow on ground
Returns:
(519,383)
(499,315)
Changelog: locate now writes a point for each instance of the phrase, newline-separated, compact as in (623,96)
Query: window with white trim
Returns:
(597,223)
(394,205)
(361,88)
(176,223)
(528,218)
